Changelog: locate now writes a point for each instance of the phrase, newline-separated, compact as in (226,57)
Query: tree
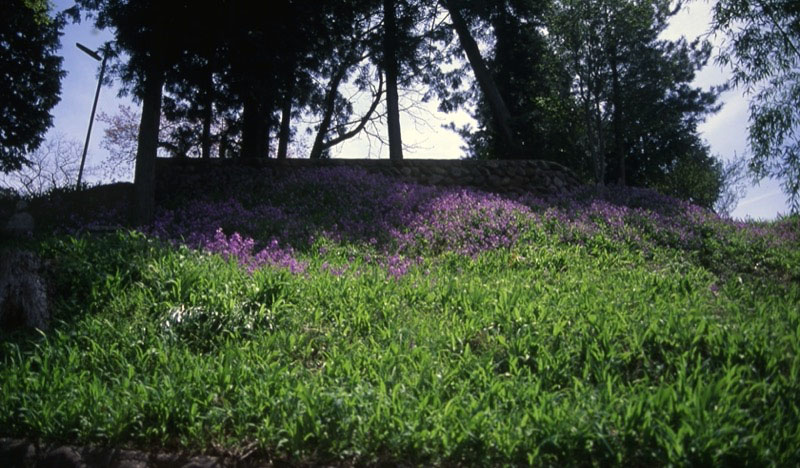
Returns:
(346,129)
(153,34)
(501,117)
(639,112)
(120,139)
(734,185)
(577,39)
(762,46)
(530,79)
(390,45)
(53,165)
(30,83)
(696,177)
(348,62)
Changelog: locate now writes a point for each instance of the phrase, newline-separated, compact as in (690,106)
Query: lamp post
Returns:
(97,57)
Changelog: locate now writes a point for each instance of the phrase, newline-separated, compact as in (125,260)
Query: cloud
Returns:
(750,201)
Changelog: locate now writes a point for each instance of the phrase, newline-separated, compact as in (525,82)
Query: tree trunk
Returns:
(600,142)
(266,122)
(390,67)
(145,174)
(286,115)
(598,161)
(616,97)
(500,114)
(223,146)
(376,100)
(327,113)
(255,131)
(208,114)
(249,128)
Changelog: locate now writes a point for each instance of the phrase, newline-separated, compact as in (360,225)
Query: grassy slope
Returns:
(568,346)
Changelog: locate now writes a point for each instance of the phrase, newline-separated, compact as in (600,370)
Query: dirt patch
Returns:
(22,453)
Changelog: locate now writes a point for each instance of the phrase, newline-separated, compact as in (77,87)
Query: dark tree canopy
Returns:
(587,84)
(30,82)
(533,85)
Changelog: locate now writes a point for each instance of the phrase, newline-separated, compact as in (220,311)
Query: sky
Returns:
(725,132)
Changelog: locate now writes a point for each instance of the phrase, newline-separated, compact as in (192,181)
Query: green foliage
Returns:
(762,46)
(549,352)
(31,81)
(530,78)
(635,113)
(696,177)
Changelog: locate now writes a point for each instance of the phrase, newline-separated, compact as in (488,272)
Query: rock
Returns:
(203,462)
(492,175)
(17,453)
(23,295)
(434,180)
(131,464)
(20,224)
(438,170)
(62,457)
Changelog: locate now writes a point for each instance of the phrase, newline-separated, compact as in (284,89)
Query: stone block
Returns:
(23,295)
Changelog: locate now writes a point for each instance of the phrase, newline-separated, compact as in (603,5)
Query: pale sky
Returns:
(725,132)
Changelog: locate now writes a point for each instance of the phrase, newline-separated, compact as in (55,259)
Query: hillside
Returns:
(339,317)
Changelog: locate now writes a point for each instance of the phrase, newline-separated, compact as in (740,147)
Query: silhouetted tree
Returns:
(531,81)
(153,34)
(30,82)
(501,116)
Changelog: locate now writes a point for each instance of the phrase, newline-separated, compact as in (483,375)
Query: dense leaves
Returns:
(590,85)
(31,79)
(619,107)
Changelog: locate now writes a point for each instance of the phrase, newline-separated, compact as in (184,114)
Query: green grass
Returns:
(548,353)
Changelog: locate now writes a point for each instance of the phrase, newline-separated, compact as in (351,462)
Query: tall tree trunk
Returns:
(500,114)
(255,131)
(223,145)
(598,160)
(249,128)
(616,98)
(286,114)
(145,174)
(266,126)
(327,113)
(600,142)
(390,67)
(208,113)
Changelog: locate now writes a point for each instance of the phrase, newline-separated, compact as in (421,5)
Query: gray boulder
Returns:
(23,294)
(20,223)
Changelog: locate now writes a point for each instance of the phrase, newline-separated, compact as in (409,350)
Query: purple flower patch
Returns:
(242,249)
(274,218)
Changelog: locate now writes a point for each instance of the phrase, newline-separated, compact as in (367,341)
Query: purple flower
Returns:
(272,217)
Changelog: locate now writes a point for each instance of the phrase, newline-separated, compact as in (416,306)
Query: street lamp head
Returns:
(89,51)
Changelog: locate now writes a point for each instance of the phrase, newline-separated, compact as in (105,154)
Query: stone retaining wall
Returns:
(506,176)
